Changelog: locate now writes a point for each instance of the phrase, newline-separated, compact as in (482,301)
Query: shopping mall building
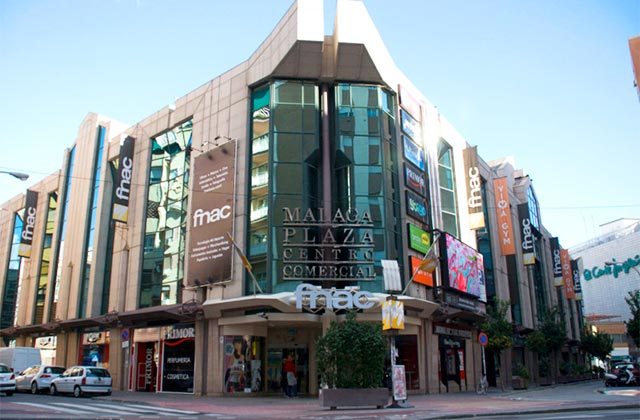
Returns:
(322,161)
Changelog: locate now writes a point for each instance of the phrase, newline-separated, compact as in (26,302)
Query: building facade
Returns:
(319,160)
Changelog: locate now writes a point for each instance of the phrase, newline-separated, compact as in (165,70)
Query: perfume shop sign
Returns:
(320,246)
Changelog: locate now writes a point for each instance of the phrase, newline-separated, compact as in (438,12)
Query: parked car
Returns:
(81,380)
(37,378)
(7,380)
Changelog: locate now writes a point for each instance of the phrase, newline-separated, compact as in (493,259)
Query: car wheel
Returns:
(53,390)
(77,392)
(34,387)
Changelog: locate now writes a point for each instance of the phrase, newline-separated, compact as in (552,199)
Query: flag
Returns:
(245,261)
(430,260)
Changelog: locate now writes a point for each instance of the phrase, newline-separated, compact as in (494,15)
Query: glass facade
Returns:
(447,181)
(55,287)
(106,283)
(534,216)
(91,225)
(166,218)
(483,238)
(45,260)
(12,280)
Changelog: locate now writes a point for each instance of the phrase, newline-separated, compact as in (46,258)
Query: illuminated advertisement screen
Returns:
(420,276)
(465,268)
(413,153)
(419,240)
(416,207)
(410,126)
(415,180)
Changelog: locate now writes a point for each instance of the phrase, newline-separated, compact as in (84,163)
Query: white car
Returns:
(7,380)
(37,378)
(81,380)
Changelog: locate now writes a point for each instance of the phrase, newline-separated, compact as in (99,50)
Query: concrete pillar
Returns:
(116,365)
(201,351)
(215,376)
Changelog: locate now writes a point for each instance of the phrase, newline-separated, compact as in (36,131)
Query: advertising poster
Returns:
(419,240)
(416,207)
(420,276)
(554,244)
(178,360)
(527,237)
(503,215)
(474,187)
(414,153)
(29,224)
(567,275)
(410,126)
(415,180)
(122,183)
(210,250)
(465,267)
(392,315)
(399,383)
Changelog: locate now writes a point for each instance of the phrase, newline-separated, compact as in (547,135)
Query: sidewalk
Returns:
(566,397)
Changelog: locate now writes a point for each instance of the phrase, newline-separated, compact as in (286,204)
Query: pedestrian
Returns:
(289,369)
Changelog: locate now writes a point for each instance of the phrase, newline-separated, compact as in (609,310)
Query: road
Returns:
(615,414)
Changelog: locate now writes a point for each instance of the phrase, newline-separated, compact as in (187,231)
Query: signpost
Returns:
(483,339)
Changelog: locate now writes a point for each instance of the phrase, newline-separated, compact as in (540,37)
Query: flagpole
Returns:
(246,264)
(436,235)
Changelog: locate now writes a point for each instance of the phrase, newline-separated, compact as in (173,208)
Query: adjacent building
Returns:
(196,249)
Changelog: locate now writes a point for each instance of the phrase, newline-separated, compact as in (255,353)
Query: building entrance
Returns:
(147,367)
(276,379)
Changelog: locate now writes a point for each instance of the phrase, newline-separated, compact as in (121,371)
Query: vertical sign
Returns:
(503,214)
(399,383)
(474,187)
(567,275)
(392,315)
(554,244)
(210,249)
(30,212)
(122,186)
(527,236)
(575,274)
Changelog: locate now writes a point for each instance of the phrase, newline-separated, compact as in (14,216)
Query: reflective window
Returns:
(106,283)
(45,260)
(165,226)
(90,235)
(483,237)
(12,279)
(447,185)
(533,208)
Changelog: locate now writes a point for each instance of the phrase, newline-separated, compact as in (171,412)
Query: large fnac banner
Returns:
(212,210)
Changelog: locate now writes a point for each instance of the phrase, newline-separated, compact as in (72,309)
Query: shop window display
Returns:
(243,357)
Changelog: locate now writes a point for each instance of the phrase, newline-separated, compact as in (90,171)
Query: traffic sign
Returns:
(483,339)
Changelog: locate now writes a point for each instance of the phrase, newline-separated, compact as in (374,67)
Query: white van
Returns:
(20,358)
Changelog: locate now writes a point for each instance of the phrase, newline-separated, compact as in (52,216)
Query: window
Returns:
(12,279)
(533,208)
(447,185)
(45,260)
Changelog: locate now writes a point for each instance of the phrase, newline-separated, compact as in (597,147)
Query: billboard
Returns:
(419,240)
(29,219)
(567,274)
(409,103)
(420,276)
(416,207)
(212,208)
(122,183)
(410,126)
(474,187)
(527,237)
(414,153)
(503,215)
(554,244)
(415,180)
(465,268)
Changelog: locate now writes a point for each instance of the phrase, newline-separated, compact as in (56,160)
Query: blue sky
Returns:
(547,82)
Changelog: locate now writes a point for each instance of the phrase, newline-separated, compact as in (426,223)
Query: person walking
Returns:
(291,389)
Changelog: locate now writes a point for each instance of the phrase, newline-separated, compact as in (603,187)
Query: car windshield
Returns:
(56,370)
(98,373)
(4,369)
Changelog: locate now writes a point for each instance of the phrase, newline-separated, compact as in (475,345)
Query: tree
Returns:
(351,354)
(548,338)
(597,344)
(633,324)
(497,326)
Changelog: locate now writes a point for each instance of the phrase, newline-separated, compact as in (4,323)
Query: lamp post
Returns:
(21,176)
(614,263)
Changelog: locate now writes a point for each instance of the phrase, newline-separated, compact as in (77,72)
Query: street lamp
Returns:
(614,263)
(21,176)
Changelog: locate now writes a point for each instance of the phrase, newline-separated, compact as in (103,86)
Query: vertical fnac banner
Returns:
(122,186)
(527,236)
(575,274)
(554,244)
(503,214)
(474,187)
(567,274)
(210,249)
(29,224)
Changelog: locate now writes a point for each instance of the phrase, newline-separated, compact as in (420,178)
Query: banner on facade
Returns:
(503,215)
(527,237)
(554,244)
(567,274)
(575,274)
(212,206)
(392,315)
(474,187)
(122,183)
(28,224)
(416,207)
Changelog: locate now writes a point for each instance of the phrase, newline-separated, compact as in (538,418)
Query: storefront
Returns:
(451,347)
(94,349)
